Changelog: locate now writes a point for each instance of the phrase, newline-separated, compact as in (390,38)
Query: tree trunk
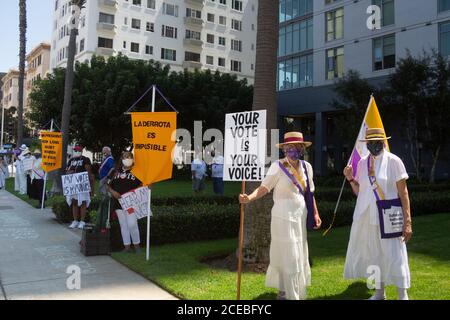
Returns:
(67,107)
(413,141)
(22,57)
(257,217)
(433,167)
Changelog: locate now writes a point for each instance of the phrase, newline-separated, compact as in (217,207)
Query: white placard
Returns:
(136,201)
(27,163)
(245,146)
(75,183)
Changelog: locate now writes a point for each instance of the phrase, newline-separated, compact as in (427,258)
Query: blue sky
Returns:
(40,16)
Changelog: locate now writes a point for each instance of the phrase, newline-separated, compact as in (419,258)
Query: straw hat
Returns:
(375,134)
(294,138)
(37,151)
(23,147)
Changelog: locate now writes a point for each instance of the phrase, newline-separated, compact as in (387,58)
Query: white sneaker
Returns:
(377,297)
(74,224)
(81,225)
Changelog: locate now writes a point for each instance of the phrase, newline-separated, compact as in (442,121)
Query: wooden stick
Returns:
(241,245)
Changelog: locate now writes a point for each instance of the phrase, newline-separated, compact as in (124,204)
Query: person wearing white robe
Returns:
(367,251)
(20,171)
(289,270)
(3,173)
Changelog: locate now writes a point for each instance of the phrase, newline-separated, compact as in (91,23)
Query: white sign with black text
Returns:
(76,183)
(245,146)
(136,201)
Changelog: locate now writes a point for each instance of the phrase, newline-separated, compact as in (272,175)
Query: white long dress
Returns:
(289,269)
(366,249)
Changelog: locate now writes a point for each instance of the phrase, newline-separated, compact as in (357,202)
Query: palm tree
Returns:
(22,57)
(257,218)
(77,5)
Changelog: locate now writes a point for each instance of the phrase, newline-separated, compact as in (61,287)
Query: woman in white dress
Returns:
(380,175)
(291,180)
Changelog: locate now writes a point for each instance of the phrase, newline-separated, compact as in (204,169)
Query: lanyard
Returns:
(378,192)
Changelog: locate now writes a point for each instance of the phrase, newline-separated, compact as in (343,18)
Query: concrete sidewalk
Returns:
(35,252)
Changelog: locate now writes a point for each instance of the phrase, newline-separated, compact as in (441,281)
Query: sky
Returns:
(40,16)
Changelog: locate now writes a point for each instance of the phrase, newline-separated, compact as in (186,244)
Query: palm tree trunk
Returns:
(257,223)
(22,57)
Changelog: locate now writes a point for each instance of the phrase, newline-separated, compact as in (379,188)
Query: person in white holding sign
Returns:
(291,180)
(37,178)
(124,181)
(380,176)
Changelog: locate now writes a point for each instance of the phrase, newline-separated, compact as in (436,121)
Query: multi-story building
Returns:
(193,34)
(38,65)
(320,40)
(10,89)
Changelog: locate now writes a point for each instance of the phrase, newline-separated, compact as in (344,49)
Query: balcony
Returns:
(193,42)
(193,21)
(192,64)
(107,52)
(196,2)
(101,26)
(108,3)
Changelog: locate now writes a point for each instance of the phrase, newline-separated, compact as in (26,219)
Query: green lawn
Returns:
(173,188)
(177,268)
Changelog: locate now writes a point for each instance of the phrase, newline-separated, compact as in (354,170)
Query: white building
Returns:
(194,34)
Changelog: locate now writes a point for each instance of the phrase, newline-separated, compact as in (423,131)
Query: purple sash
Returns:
(307,194)
(383,206)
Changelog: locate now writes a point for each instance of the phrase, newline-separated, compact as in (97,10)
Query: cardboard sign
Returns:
(153,145)
(136,201)
(75,183)
(245,146)
(51,150)
(27,163)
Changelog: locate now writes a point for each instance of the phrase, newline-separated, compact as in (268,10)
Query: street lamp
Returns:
(3,126)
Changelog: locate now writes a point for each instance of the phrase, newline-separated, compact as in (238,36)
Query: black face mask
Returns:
(375,148)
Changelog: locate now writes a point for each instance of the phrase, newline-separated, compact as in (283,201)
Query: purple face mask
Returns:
(294,154)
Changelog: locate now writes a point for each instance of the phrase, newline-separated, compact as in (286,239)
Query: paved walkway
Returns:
(35,252)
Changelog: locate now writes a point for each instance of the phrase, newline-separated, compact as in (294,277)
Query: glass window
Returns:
(384,52)
(387,11)
(335,63)
(444,5)
(282,42)
(444,38)
(334,24)
(295,73)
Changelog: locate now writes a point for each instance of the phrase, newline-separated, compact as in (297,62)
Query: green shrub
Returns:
(62,211)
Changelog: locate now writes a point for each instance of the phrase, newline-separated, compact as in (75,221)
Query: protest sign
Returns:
(153,145)
(27,163)
(75,183)
(245,146)
(136,201)
(51,150)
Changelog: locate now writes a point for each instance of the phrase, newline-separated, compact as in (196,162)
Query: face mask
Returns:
(37,155)
(294,154)
(127,162)
(77,154)
(375,148)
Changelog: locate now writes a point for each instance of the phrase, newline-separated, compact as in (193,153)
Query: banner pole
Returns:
(153,98)
(45,178)
(241,245)
(148,224)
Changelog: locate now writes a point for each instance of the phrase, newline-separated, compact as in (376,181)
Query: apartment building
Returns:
(38,65)
(320,40)
(186,34)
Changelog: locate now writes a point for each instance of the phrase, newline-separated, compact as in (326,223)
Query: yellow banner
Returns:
(51,150)
(153,145)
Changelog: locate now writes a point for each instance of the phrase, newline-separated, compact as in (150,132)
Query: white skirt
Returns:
(289,269)
(367,252)
(81,197)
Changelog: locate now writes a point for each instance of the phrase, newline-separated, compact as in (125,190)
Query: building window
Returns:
(148,49)
(222,41)
(224,2)
(192,56)
(223,20)
(443,5)
(210,38)
(335,63)
(106,18)
(387,11)
(236,45)
(327,2)
(150,27)
(210,17)
(170,9)
(295,73)
(169,32)
(335,24)
(137,2)
(236,5)
(124,44)
(236,25)
(81,45)
(136,24)
(444,38)
(168,54)
(151,4)
(191,13)
(105,43)
(291,9)
(384,52)
(221,62)
(193,35)
(296,38)
(210,60)
(135,47)
(236,66)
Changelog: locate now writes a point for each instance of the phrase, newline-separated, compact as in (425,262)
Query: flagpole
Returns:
(348,162)
(45,178)
(150,190)
(241,245)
